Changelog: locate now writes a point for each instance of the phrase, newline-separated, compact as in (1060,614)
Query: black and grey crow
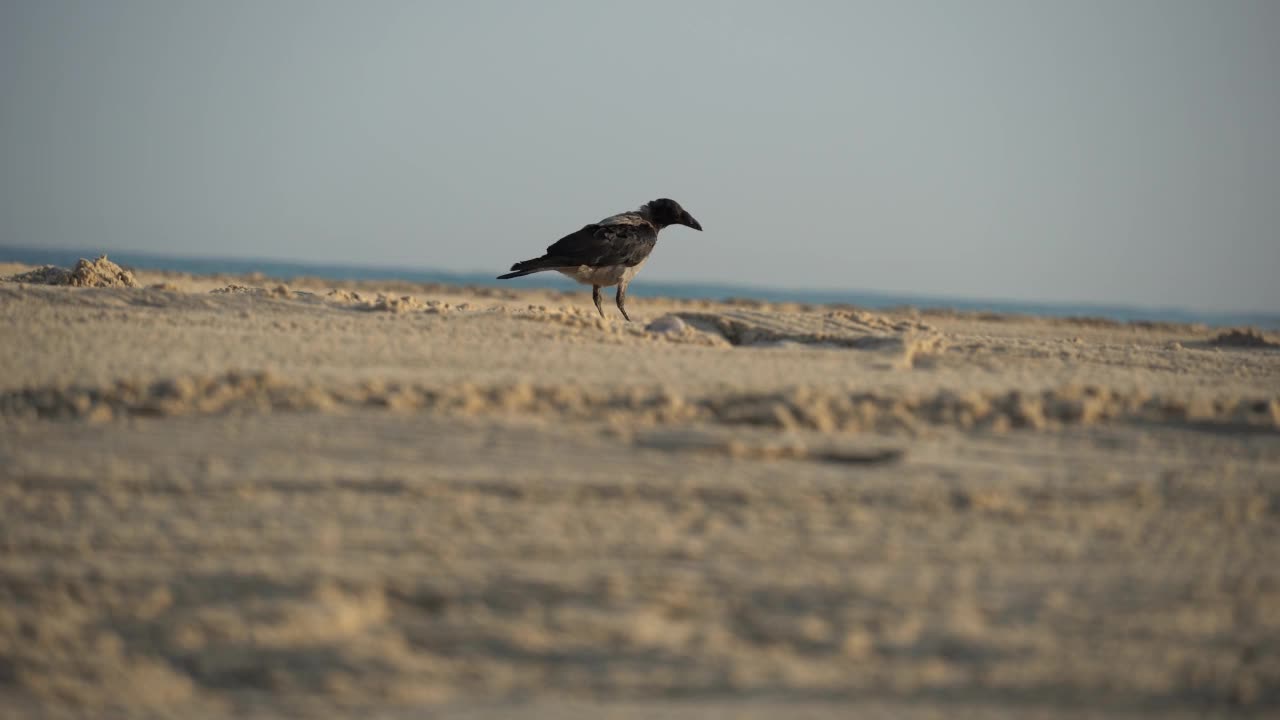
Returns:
(609,252)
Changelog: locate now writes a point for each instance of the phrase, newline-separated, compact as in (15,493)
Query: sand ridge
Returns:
(797,408)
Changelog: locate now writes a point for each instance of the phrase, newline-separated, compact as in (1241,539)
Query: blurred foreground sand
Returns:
(223,496)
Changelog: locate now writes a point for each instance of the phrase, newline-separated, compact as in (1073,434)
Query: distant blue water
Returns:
(651,288)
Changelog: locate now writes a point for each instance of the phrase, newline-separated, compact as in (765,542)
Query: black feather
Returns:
(595,245)
(519,273)
(602,245)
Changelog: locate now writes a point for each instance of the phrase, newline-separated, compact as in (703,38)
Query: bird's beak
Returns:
(687,219)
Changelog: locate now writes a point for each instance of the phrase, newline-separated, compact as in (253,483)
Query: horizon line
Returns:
(393,271)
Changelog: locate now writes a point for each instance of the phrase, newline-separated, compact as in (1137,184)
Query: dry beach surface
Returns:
(223,496)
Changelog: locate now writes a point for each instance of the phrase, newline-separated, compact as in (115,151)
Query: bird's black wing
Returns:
(596,245)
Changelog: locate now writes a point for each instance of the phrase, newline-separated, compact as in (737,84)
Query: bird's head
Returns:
(665,211)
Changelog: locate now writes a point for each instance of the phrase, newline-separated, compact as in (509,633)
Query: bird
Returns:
(609,252)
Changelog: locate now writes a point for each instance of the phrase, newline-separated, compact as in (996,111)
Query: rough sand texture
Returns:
(230,496)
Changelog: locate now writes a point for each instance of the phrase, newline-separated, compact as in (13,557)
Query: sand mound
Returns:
(842,329)
(584,324)
(384,303)
(97,273)
(1242,338)
(281,291)
(905,342)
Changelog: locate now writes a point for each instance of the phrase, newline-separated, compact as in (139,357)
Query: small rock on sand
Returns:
(670,324)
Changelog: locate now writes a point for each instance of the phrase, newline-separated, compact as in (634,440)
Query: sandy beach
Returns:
(231,496)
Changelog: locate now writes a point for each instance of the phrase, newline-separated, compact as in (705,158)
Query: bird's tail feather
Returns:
(516,274)
(527,267)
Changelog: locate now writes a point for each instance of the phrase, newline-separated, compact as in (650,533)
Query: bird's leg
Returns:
(595,295)
(622,298)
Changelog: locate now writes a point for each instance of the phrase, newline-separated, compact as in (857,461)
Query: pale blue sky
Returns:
(1082,150)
